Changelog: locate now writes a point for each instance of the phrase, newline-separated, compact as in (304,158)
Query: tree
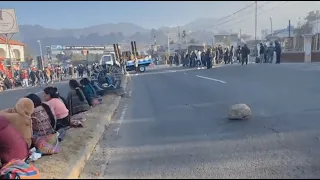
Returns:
(306,28)
(171,42)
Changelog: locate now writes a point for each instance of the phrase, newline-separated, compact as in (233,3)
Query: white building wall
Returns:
(13,50)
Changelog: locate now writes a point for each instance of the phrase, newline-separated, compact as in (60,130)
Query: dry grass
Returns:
(53,166)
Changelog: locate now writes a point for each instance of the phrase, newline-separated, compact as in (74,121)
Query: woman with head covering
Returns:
(43,120)
(76,100)
(20,118)
(12,144)
(58,106)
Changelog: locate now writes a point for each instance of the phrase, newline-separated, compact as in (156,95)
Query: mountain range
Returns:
(110,33)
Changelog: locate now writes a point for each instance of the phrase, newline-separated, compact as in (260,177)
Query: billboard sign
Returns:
(84,48)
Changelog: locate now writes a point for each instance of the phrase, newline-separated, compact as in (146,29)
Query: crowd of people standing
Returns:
(227,55)
(34,76)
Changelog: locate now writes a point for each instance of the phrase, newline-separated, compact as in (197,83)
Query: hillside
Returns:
(111,33)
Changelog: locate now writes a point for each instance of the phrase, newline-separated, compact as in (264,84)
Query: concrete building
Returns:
(281,33)
(14,50)
(226,39)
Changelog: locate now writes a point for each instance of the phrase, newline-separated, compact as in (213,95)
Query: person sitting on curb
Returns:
(12,143)
(58,105)
(89,92)
(43,120)
(76,99)
(20,118)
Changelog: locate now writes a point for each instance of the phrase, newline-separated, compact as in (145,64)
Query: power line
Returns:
(273,8)
(236,17)
(246,7)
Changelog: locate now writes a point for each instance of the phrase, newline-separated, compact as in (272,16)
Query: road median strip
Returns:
(79,143)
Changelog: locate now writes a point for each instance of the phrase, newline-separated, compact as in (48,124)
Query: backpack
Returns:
(19,169)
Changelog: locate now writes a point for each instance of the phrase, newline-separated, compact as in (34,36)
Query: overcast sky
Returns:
(65,14)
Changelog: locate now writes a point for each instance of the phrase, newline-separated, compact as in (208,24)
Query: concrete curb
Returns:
(78,162)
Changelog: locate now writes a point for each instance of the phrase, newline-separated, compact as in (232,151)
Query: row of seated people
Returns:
(30,123)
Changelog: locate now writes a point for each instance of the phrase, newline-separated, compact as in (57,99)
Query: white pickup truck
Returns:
(109,58)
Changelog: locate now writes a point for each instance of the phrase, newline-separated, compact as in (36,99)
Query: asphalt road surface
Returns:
(175,126)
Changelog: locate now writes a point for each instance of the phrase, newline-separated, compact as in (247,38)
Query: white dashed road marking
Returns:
(212,79)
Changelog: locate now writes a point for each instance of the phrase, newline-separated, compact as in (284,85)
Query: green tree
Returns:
(306,28)
(172,42)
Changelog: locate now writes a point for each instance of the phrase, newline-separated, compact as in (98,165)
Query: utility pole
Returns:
(179,44)
(168,48)
(271,26)
(289,29)
(255,28)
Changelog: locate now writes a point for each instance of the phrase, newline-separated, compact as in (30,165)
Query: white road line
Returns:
(212,79)
(122,118)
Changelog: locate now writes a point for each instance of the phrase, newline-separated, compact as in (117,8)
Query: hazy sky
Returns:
(67,14)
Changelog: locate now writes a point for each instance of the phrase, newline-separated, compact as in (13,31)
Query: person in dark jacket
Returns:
(265,53)
(76,100)
(193,59)
(278,51)
(208,57)
(203,61)
(170,60)
(270,51)
(33,77)
(245,51)
(231,55)
(226,56)
(176,59)
(220,54)
(238,54)
(261,52)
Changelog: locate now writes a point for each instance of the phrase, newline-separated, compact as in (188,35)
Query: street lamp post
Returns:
(41,55)
(271,26)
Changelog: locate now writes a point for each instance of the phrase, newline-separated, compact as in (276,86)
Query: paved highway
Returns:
(175,126)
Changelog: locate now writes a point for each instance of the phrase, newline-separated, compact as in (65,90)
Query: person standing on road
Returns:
(270,52)
(198,63)
(176,59)
(208,57)
(245,51)
(261,52)
(265,53)
(278,51)
(25,78)
(33,77)
(231,55)
(226,55)
(38,76)
(203,60)
(238,54)
(51,74)
(193,59)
